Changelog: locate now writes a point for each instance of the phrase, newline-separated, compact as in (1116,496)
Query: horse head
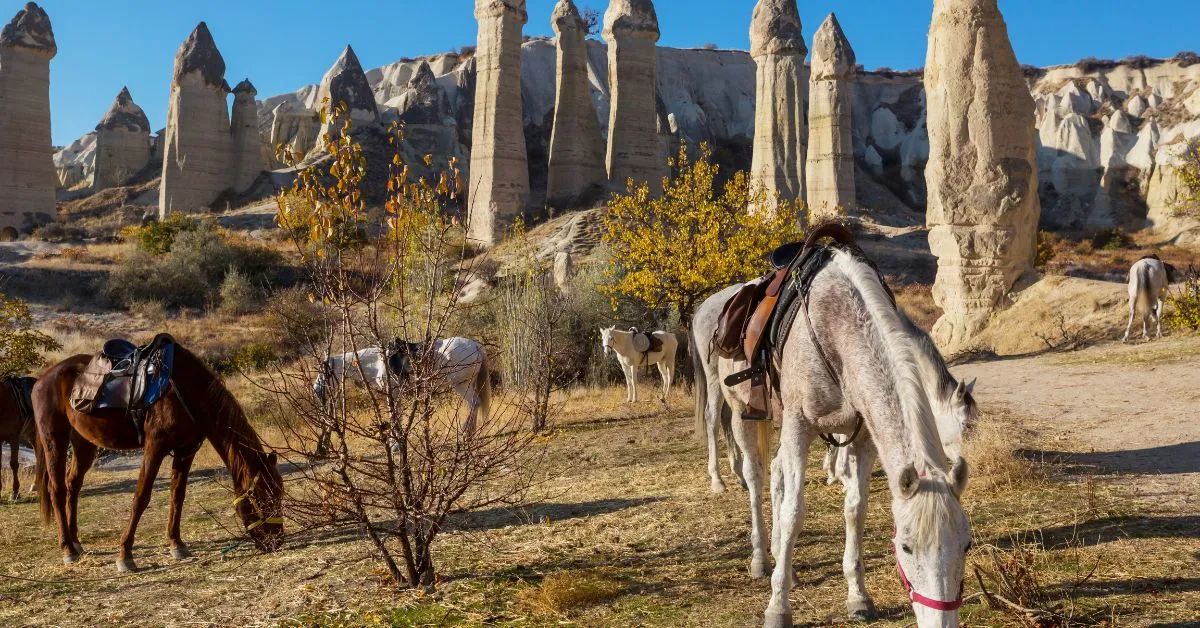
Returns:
(260,504)
(956,417)
(931,542)
(606,335)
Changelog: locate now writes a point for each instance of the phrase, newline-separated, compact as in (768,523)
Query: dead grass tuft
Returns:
(993,450)
(568,591)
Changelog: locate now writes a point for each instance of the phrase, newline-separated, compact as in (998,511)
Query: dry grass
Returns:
(566,592)
(917,302)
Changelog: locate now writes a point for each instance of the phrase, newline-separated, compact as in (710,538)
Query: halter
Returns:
(249,496)
(917,598)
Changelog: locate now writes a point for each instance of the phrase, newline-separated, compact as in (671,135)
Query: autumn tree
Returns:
(21,346)
(697,238)
(1188,202)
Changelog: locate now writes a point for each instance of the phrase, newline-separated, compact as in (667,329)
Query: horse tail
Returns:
(700,383)
(1145,300)
(483,387)
(41,479)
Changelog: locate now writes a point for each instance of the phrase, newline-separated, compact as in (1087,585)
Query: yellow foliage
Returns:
(695,239)
(1188,203)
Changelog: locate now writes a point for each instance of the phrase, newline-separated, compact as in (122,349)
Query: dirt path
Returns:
(1134,408)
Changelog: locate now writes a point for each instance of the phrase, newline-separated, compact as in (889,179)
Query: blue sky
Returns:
(282,45)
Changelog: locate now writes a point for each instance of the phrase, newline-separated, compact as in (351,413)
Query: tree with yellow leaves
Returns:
(695,239)
(1188,203)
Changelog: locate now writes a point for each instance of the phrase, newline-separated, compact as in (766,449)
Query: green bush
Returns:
(295,319)
(1183,307)
(256,356)
(158,237)
(192,271)
(238,295)
(1112,240)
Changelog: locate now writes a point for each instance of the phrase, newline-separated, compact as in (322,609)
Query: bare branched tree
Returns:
(394,462)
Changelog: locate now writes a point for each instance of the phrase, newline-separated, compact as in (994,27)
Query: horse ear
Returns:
(272,459)
(910,481)
(961,391)
(959,475)
(971,386)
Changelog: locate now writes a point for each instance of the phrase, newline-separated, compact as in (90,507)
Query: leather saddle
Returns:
(124,376)
(645,343)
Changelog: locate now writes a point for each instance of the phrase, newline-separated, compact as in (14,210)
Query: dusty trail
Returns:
(1134,408)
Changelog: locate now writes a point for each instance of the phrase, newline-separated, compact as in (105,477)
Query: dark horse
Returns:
(199,407)
(16,426)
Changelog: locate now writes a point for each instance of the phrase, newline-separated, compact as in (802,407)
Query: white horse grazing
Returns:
(1148,281)
(458,363)
(877,380)
(953,406)
(621,343)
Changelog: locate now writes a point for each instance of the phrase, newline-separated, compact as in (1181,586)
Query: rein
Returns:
(249,496)
(917,598)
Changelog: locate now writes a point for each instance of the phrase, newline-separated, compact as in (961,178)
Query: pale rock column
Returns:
(27,174)
(830,123)
(499,174)
(780,128)
(576,145)
(122,143)
(197,156)
(982,173)
(248,161)
(631,30)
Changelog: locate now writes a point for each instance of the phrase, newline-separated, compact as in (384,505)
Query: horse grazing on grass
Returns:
(16,424)
(459,363)
(622,343)
(866,368)
(1148,281)
(199,407)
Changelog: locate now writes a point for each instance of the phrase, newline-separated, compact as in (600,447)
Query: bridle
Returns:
(917,598)
(249,496)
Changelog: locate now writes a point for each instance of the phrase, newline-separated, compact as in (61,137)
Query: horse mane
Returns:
(896,341)
(236,441)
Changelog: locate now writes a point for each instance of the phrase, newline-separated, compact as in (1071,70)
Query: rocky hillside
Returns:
(1109,132)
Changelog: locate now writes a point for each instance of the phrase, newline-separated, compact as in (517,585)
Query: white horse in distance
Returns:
(459,363)
(621,343)
(1148,281)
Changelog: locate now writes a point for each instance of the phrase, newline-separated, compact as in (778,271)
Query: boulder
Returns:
(982,173)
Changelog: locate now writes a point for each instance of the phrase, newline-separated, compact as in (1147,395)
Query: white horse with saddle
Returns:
(635,349)
(458,363)
(1148,281)
(851,360)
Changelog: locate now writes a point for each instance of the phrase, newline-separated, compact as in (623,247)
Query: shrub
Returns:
(238,295)
(74,254)
(158,236)
(256,356)
(564,592)
(295,319)
(1183,309)
(21,346)
(1186,58)
(1046,244)
(152,310)
(1112,240)
(57,232)
(1188,201)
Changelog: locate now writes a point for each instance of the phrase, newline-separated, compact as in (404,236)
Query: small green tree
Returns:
(21,346)
(679,248)
(1188,202)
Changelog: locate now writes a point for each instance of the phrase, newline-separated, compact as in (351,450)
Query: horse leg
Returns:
(151,460)
(473,401)
(633,369)
(747,436)
(81,462)
(857,479)
(1132,313)
(180,467)
(789,515)
(1157,319)
(712,420)
(666,380)
(54,451)
(12,464)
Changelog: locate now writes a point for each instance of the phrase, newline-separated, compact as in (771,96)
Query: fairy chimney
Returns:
(196,159)
(576,162)
(631,30)
(780,129)
(346,84)
(122,143)
(499,173)
(982,172)
(248,161)
(830,123)
(27,174)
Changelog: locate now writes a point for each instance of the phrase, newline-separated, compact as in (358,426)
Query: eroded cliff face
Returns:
(1107,133)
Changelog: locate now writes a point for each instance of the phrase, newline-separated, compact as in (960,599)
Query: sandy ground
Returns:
(1134,408)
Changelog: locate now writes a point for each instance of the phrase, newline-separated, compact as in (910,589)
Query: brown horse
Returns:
(16,428)
(199,407)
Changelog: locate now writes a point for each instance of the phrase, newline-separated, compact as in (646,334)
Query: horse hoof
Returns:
(862,610)
(180,553)
(70,559)
(777,620)
(718,487)
(758,569)
(126,565)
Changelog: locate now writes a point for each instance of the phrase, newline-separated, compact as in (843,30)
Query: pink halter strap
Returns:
(917,598)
